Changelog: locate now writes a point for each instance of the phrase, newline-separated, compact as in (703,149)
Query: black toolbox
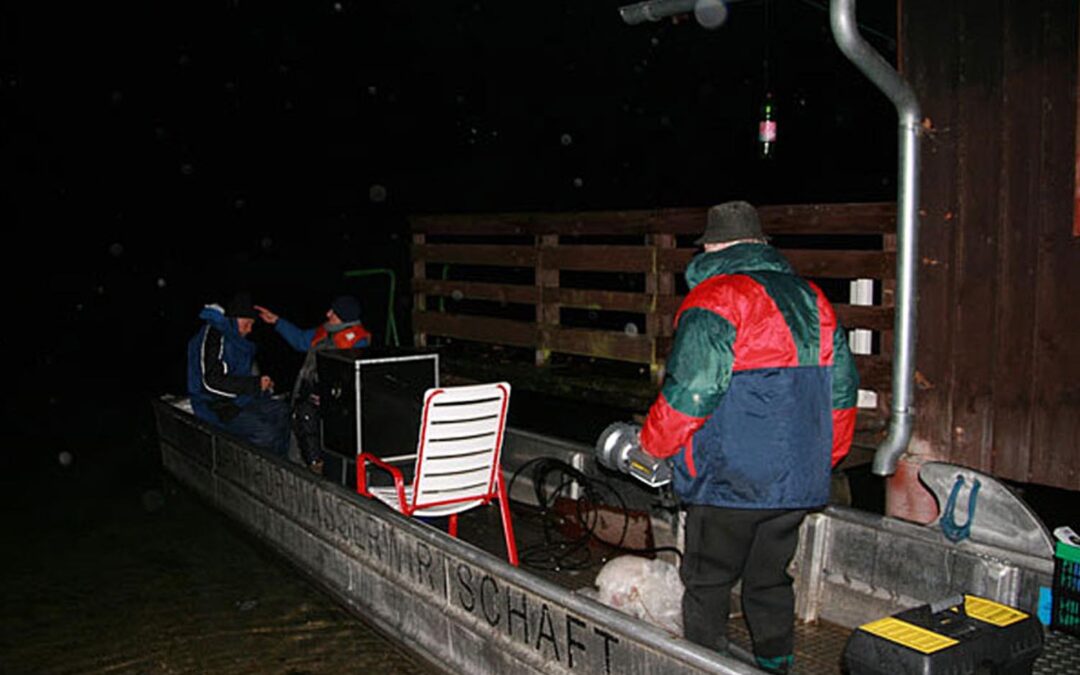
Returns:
(961,635)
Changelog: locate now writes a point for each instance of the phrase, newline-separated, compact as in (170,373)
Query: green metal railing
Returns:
(391,338)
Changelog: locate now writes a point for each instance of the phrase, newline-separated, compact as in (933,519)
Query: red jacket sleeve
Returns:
(666,430)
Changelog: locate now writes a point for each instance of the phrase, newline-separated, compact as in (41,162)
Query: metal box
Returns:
(370,399)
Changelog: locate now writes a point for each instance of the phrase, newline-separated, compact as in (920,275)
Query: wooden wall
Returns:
(999,315)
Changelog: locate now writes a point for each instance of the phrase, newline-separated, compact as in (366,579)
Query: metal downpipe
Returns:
(884,76)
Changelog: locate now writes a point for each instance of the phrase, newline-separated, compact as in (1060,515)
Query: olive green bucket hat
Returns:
(731,221)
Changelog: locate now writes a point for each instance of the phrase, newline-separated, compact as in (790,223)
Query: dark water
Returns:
(111,567)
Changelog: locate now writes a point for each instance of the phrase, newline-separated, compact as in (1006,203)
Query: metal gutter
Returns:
(846,34)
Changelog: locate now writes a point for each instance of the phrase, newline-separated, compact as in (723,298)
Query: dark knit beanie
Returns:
(240,306)
(346,307)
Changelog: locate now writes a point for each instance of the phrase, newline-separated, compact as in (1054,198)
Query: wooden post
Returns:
(547,310)
(886,338)
(661,286)
(1076,166)
(419,299)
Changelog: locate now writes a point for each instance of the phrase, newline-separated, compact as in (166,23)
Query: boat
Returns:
(459,607)
(465,609)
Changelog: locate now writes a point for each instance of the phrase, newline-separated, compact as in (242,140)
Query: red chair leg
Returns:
(361,476)
(508,526)
(453,525)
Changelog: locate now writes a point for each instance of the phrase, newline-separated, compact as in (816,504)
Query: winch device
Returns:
(618,448)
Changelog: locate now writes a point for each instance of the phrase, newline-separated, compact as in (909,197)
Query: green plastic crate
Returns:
(1065,610)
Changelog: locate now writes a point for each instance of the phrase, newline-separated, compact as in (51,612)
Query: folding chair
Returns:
(457,458)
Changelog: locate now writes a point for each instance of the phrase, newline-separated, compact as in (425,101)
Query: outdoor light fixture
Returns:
(709,13)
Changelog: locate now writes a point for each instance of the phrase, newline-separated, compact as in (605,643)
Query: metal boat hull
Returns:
(464,610)
(468,611)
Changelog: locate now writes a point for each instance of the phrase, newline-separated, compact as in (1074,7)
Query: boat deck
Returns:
(375,563)
(819,646)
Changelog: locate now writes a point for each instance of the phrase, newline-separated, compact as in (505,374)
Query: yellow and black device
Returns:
(960,635)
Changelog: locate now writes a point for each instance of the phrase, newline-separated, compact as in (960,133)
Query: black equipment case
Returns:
(960,636)
(370,399)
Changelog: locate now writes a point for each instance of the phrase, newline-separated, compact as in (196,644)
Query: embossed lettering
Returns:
(407,552)
(490,608)
(277,484)
(257,483)
(344,524)
(326,519)
(571,643)
(373,537)
(608,640)
(287,507)
(424,560)
(393,550)
(358,533)
(464,575)
(522,613)
(547,630)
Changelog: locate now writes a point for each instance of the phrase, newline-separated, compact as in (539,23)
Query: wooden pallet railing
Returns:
(485,257)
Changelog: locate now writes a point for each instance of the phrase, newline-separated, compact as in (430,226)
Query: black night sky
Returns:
(159,155)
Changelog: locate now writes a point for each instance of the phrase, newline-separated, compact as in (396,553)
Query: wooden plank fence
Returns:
(471,270)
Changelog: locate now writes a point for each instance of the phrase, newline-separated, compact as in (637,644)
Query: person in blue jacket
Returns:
(223,381)
(341,330)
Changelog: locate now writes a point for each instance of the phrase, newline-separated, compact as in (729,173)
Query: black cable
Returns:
(558,551)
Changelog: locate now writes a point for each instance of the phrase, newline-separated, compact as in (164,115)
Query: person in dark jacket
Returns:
(223,381)
(757,406)
(342,330)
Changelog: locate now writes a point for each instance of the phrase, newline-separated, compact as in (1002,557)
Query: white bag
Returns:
(650,590)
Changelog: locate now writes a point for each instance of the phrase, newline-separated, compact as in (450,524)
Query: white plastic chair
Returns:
(457,458)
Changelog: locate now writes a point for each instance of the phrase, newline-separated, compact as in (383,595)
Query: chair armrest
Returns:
(399,480)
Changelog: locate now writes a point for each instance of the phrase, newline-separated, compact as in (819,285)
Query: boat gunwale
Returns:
(931,535)
(645,634)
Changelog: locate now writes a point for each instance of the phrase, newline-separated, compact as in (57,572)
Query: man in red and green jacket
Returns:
(757,406)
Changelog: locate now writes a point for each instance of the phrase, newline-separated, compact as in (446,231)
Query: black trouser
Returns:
(263,422)
(305,424)
(723,545)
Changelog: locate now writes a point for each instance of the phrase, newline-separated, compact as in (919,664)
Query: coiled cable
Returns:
(552,480)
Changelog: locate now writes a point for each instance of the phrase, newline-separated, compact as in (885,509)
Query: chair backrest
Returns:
(461,435)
